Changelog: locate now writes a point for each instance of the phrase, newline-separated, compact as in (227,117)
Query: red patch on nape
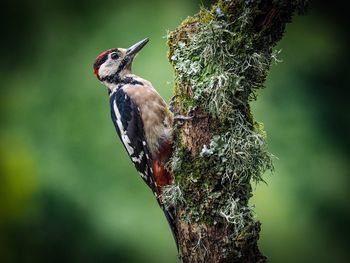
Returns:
(104,54)
(96,73)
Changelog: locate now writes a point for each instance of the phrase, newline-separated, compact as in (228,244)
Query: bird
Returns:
(141,118)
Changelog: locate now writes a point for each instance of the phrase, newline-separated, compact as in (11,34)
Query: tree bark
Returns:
(221,58)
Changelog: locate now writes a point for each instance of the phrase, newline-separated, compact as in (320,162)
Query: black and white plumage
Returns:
(127,120)
(141,118)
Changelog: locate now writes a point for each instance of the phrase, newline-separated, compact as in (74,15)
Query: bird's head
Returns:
(115,63)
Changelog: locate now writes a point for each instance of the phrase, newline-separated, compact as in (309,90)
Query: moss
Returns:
(205,15)
(196,186)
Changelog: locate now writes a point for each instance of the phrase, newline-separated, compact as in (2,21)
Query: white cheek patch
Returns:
(125,138)
(108,68)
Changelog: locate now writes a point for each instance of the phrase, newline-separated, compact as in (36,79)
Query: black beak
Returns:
(132,51)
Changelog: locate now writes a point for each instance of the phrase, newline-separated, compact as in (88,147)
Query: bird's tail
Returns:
(169,213)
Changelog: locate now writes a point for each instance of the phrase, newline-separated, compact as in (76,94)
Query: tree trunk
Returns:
(221,57)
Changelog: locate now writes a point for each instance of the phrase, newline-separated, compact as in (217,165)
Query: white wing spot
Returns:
(138,160)
(123,134)
(143,176)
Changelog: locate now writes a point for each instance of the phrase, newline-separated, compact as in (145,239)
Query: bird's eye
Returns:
(114,55)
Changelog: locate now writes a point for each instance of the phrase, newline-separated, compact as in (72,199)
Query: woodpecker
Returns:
(141,119)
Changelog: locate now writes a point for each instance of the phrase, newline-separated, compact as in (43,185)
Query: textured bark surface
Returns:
(221,57)
(208,246)
(203,242)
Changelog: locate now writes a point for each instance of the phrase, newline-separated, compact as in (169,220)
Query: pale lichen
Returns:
(172,196)
(236,214)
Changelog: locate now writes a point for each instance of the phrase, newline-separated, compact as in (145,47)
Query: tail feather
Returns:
(170,216)
(163,177)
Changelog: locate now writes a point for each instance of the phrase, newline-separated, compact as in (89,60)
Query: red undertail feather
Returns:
(161,174)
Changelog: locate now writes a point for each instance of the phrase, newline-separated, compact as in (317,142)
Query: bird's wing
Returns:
(127,120)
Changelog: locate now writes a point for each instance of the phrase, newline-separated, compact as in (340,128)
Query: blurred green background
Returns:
(68,192)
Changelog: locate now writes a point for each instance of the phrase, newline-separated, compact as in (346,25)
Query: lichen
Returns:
(236,214)
(172,196)
(240,153)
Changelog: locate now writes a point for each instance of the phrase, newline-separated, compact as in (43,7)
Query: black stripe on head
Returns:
(103,57)
(115,78)
(123,64)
